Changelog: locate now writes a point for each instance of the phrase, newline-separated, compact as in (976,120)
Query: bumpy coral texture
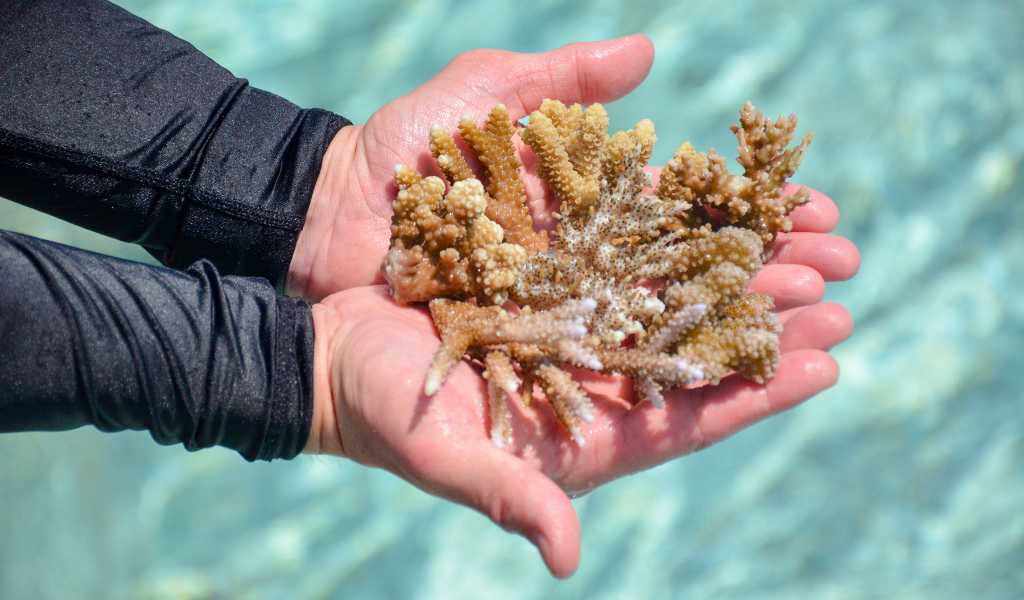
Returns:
(650,284)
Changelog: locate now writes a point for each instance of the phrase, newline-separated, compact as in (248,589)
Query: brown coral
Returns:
(696,239)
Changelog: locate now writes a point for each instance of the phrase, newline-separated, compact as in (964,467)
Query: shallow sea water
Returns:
(904,481)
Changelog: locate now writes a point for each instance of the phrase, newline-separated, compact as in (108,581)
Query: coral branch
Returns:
(493,147)
(501,380)
(447,155)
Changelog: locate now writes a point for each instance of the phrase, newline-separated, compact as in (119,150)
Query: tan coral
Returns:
(501,380)
(539,342)
(745,339)
(697,239)
(493,147)
(576,193)
(583,134)
(447,155)
(445,246)
(623,143)
(751,200)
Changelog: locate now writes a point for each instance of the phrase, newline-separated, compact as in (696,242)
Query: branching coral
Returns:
(445,246)
(650,285)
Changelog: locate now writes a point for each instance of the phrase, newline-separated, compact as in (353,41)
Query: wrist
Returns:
(321,217)
(323,433)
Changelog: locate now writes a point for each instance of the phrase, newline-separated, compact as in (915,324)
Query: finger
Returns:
(515,496)
(694,419)
(655,173)
(790,285)
(818,327)
(737,403)
(820,215)
(833,256)
(585,72)
(582,73)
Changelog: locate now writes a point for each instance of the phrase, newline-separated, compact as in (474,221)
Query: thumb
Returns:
(584,72)
(519,499)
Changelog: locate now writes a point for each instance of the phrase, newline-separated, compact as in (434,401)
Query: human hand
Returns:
(347,231)
(372,356)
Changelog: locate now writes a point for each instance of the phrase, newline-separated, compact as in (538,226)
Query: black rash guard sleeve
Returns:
(118,126)
(192,357)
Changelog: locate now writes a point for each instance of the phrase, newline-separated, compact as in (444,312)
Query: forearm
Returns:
(113,124)
(192,357)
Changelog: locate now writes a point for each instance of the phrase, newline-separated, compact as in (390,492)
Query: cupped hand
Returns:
(372,356)
(347,224)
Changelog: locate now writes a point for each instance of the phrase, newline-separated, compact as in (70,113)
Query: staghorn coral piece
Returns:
(751,200)
(538,341)
(494,149)
(447,156)
(649,284)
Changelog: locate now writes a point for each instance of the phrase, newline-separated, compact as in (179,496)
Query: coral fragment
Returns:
(648,284)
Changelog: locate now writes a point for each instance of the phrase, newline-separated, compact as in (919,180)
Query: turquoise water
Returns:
(904,481)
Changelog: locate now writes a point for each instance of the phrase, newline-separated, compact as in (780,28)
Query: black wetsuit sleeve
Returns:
(193,357)
(118,126)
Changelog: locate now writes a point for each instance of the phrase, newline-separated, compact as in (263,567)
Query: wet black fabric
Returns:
(120,127)
(191,356)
